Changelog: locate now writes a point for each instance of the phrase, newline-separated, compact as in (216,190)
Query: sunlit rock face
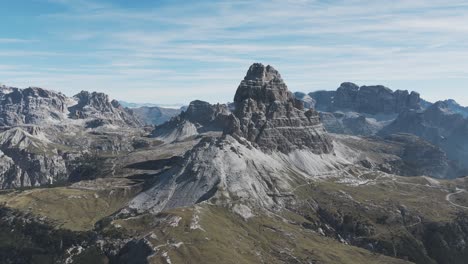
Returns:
(268,115)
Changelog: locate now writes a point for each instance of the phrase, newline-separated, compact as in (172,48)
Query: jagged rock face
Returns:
(456,108)
(422,158)
(101,110)
(350,123)
(366,99)
(37,106)
(28,159)
(438,125)
(30,106)
(323,99)
(155,115)
(308,101)
(203,113)
(42,131)
(401,154)
(200,117)
(434,124)
(267,114)
(346,96)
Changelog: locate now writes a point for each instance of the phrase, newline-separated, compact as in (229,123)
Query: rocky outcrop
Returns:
(154,115)
(353,123)
(401,154)
(438,125)
(308,101)
(41,131)
(267,114)
(456,107)
(37,106)
(419,157)
(29,159)
(31,106)
(200,117)
(366,99)
(98,110)
(205,115)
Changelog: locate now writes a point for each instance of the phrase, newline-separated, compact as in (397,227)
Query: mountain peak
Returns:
(263,84)
(258,71)
(267,114)
(349,86)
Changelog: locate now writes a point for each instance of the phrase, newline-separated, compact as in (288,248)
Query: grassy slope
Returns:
(68,208)
(225,237)
(269,238)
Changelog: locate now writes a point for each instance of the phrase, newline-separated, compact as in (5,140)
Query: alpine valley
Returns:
(357,175)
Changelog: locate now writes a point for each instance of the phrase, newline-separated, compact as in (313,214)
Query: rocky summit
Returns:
(356,175)
(268,115)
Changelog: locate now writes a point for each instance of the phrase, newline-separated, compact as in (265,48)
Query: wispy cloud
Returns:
(174,51)
(14,40)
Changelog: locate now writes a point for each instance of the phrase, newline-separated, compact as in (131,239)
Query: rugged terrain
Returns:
(257,181)
(378,111)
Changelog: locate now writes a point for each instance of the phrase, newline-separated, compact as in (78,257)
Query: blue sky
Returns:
(172,52)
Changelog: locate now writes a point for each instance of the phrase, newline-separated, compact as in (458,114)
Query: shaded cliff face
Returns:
(200,117)
(30,106)
(154,115)
(439,125)
(366,99)
(99,110)
(29,159)
(268,115)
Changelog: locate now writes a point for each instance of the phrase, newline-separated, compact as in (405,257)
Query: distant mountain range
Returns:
(357,175)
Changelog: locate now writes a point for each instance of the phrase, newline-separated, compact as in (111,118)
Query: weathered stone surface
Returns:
(366,99)
(206,115)
(267,114)
(350,123)
(308,101)
(37,106)
(42,131)
(28,160)
(97,106)
(200,117)
(154,115)
(30,106)
(438,125)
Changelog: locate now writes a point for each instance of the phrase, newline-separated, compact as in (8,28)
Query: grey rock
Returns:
(267,114)
(28,160)
(366,99)
(439,125)
(308,101)
(30,106)
(154,115)
(200,117)
(350,123)
(456,108)
(101,110)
